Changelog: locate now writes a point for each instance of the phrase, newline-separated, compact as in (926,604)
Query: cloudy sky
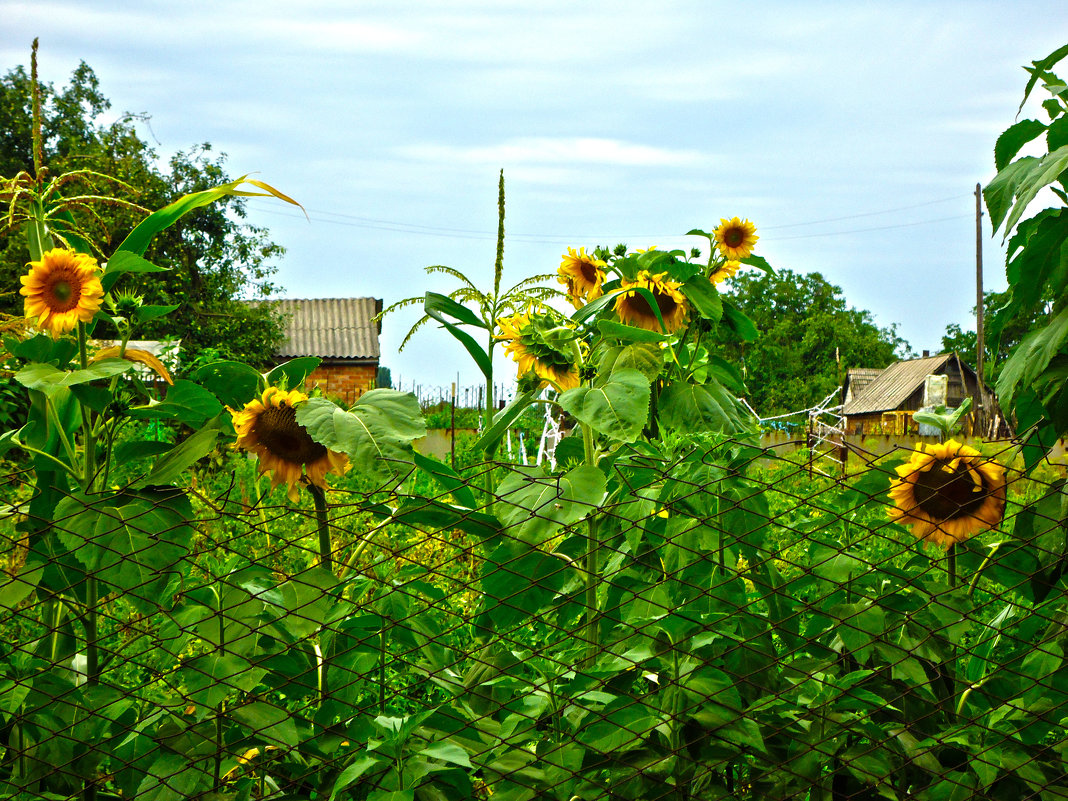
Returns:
(852,134)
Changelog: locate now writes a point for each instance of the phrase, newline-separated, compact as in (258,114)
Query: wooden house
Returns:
(882,401)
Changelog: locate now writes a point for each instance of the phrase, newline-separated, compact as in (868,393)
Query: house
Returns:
(882,401)
(340,331)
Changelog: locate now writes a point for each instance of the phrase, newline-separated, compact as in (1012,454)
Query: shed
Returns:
(883,403)
(343,333)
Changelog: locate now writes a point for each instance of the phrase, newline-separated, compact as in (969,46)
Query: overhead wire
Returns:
(374,223)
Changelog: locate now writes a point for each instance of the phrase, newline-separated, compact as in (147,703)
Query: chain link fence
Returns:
(726,623)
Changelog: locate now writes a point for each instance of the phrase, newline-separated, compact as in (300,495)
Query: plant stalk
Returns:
(326,558)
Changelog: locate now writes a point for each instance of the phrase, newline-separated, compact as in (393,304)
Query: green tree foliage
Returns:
(802,320)
(215,260)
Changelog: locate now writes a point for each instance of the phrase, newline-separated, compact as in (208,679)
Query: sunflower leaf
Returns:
(619,408)
(1013,138)
(704,297)
(49,379)
(699,407)
(376,433)
(533,507)
(124,261)
(191,450)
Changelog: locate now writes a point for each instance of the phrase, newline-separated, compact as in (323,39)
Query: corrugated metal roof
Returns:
(857,379)
(331,328)
(894,385)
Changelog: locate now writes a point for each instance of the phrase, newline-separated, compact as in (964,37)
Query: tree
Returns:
(214,259)
(808,337)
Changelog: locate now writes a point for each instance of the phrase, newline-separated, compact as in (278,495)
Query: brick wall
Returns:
(345,381)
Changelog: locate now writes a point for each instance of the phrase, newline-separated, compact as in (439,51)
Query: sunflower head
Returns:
(61,290)
(725,271)
(947,493)
(538,345)
(735,238)
(583,275)
(633,308)
(267,426)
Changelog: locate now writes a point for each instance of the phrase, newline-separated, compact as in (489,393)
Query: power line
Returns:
(459,233)
(865,214)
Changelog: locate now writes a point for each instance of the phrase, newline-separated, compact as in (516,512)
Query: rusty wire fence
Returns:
(726,623)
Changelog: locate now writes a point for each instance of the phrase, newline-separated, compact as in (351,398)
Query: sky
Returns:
(852,134)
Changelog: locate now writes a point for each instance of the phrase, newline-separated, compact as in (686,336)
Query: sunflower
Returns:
(948,492)
(633,309)
(62,289)
(532,353)
(725,271)
(735,238)
(583,275)
(267,426)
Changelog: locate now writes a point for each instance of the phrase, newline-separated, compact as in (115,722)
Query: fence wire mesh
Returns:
(726,623)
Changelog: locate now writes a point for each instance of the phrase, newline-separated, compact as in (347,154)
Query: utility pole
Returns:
(980,340)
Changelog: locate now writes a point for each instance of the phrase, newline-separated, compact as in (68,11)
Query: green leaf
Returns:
(146,313)
(629,333)
(140,237)
(124,261)
(443,304)
(1033,355)
(698,407)
(353,772)
(481,357)
(139,449)
(183,455)
(759,262)
(504,419)
(213,676)
(448,752)
(593,307)
(704,297)
(1041,174)
(618,409)
(533,507)
(448,478)
(1013,138)
(48,379)
(736,321)
(16,589)
(269,723)
(999,193)
(129,540)
(1039,68)
(295,372)
(233,383)
(185,402)
(376,433)
(519,581)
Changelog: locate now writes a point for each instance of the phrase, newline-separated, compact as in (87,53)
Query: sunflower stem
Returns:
(326,558)
(951,564)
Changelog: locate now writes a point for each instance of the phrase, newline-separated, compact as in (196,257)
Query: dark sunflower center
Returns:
(664,302)
(277,428)
(64,293)
(947,495)
(589,272)
(733,237)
